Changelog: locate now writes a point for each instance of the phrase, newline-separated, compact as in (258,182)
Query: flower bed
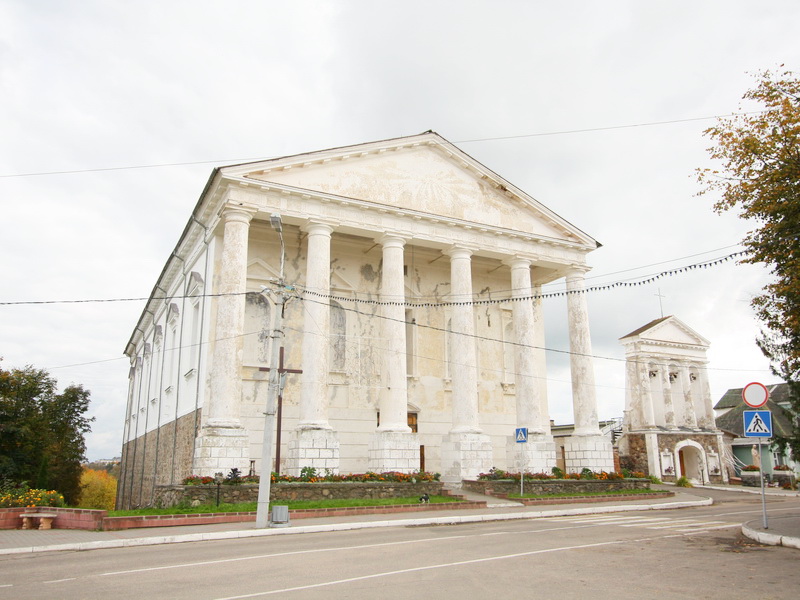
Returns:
(751,476)
(172,495)
(25,497)
(497,487)
(589,499)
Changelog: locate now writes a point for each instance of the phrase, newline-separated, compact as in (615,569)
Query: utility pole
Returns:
(275,386)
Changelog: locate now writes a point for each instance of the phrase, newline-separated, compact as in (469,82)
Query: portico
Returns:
(393,249)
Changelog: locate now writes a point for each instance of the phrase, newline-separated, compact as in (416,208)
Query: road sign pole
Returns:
(763,493)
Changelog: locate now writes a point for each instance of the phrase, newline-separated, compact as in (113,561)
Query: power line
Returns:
(468,141)
(595,288)
(611,127)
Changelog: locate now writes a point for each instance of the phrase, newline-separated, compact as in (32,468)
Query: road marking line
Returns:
(60,580)
(337,549)
(445,565)
(276,555)
(704,529)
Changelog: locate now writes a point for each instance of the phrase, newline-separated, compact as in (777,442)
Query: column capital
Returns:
(317,227)
(519,262)
(576,271)
(393,239)
(237,212)
(458,251)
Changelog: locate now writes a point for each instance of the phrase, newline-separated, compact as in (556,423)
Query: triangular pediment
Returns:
(422,174)
(666,330)
(259,270)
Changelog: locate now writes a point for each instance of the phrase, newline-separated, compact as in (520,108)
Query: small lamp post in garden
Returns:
(218,479)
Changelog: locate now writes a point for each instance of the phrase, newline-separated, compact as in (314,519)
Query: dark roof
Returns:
(778,394)
(644,328)
(733,422)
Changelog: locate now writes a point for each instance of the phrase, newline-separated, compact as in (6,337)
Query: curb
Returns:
(786,494)
(769,539)
(430,521)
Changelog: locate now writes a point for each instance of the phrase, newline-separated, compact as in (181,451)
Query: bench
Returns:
(45,520)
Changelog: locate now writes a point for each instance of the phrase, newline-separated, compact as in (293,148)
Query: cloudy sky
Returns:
(112,115)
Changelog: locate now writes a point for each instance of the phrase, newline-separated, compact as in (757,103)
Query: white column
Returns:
(539,453)
(539,352)
(666,387)
(393,447)
(394,394)
(316,330)
(586,448)
(223,443)
(690,415)
(527,389)
(705,398)
(463,359)
(466,451)
(226,381)
(314,443)
(648,413)
(584,400)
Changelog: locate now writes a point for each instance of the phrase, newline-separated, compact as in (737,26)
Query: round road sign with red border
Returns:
(755,394)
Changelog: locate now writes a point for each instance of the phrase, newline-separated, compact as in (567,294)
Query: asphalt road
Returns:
(684,553)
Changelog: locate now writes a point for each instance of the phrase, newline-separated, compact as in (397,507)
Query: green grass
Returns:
(292,504)
(582,494)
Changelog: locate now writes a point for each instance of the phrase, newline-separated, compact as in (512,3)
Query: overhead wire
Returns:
(465,141)
(595,288)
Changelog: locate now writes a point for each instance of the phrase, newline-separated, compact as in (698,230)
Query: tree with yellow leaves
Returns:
(98,489)
(760,177)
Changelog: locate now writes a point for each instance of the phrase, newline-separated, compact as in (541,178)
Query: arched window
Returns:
(338,330)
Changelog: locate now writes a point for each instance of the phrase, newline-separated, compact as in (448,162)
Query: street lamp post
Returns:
(275,384)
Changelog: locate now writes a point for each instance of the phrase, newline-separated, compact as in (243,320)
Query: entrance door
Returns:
(691,461)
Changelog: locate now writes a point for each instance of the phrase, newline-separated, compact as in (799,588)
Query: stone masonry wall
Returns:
(172,495)
(160,457)
(636,457)
(554,486)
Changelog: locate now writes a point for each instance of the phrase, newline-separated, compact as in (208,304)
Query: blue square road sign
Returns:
(757,423)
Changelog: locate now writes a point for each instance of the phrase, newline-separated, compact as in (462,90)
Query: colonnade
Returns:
(670,393)
(466,450)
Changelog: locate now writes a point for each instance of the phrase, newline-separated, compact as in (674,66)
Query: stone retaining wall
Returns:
(172,495)
(554,486)
(66,518)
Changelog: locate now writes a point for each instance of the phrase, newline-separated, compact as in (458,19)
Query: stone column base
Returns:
(465,456)
(316,448)
(220,449)
(394,451)
(537,455)
(593,452)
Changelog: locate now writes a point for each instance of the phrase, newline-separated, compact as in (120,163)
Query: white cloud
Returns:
(105,84)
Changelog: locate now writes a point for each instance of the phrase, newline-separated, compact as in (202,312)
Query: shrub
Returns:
(654,479)
(557,473)
(98,490)
(31,498)
(683,482)
(311,475)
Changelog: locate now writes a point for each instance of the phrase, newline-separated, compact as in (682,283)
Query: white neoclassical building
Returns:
(669,428)
(413,333)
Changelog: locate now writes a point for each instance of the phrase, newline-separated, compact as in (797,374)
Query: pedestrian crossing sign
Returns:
(522,435)
(757,423)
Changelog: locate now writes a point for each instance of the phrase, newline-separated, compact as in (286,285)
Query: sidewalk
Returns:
(17,541)
(782,531)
